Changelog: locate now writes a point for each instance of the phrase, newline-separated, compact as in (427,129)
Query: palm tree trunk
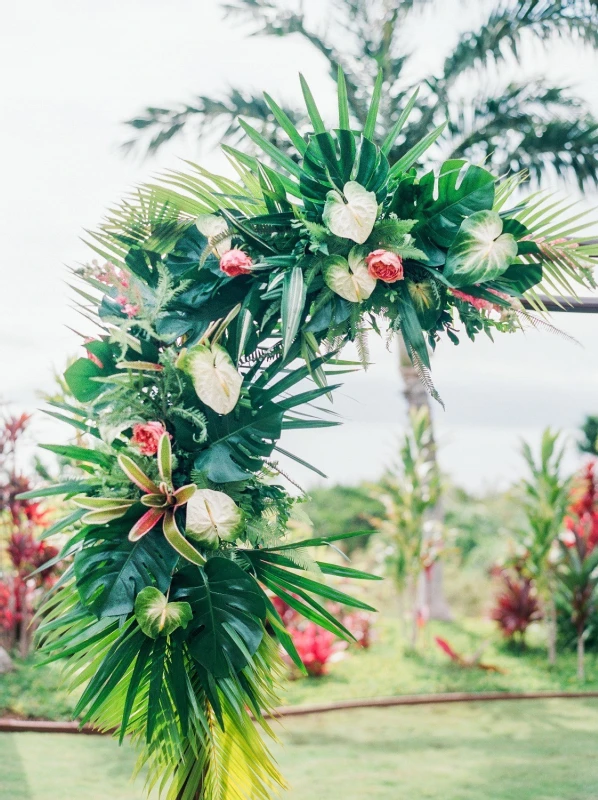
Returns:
(551,625)
(417,397)
(580,657)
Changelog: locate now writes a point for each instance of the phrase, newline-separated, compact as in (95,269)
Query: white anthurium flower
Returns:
(212,226)
(353,215)
(214,376)
(212,516)
(349,278)
(481,251)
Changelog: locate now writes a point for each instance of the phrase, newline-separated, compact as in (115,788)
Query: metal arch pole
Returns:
(569,305)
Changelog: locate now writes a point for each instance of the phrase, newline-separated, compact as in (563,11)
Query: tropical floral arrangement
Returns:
(222,308)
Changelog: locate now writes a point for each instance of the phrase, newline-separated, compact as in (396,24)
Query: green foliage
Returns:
(409,491)
(589,429)
(343,508)
(544,499)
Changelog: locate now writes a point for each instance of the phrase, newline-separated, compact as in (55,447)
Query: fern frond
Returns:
(423,373)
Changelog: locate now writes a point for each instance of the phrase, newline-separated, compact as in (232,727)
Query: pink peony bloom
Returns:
(385,266)
(147,435)
(235,262)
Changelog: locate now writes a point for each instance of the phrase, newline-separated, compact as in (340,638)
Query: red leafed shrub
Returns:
(7,616)
(516,605)
(315,645)
(21,522)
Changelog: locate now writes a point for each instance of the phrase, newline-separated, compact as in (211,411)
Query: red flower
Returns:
(314,645)
(476,302)
(235,262)
(385,266)
(147,436)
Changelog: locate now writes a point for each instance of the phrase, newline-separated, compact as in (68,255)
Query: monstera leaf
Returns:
(212,516)
(457,193)
(350,278)
(352,214)
(239,445)
(110,573)
(481,251)
(228,612)
(214,376)
(156,616)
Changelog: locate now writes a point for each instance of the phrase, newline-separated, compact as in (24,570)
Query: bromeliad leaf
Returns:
(156,616)
(212,516)
(481,251)
(349,278)
(214,376)
(353,215)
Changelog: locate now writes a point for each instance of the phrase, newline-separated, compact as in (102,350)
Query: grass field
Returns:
(386,669)
(534,750)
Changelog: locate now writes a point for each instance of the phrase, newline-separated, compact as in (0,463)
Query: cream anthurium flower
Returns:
(212,226)
(353,215)
(214,376)
(212,516)
(349,278)
(481,251)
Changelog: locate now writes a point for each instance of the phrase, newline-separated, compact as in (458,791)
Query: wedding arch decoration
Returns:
(221,310)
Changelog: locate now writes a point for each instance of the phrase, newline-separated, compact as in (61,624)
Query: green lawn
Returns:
(387,668)
(534,750)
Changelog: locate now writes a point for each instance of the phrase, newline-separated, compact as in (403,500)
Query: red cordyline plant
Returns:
(21,551)
(577,572)
(317,646)
(517,604)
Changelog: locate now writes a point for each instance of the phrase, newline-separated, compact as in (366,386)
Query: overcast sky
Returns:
(74,69)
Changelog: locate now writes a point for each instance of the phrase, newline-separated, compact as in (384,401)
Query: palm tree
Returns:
(527,125)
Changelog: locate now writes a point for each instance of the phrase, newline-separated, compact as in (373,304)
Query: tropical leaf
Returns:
(111,572)
(228,614)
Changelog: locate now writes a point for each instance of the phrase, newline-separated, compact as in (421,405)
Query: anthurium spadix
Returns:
(481,251)
(349,278)
(352,214)
(214,376)
(214,228)
(156,616)
(213,516)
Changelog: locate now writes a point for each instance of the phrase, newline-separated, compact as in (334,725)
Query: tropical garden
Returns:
(163,577)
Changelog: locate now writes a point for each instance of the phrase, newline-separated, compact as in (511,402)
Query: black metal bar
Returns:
(571,305)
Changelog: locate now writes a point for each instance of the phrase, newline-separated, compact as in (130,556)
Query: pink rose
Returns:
(147,435)
(235,262)
(385,266)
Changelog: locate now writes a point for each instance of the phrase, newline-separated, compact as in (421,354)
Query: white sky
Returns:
(74,69)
